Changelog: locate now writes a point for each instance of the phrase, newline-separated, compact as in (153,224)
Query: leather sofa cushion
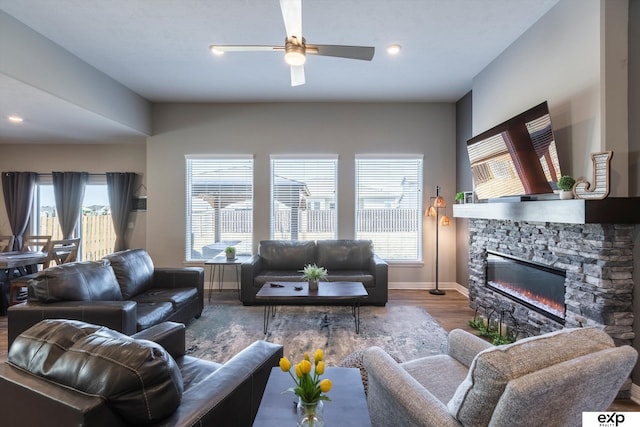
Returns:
(78,281)
(134,271)
(177,296)
(138,379)
(277,276)
(477,396)
(286,255)
(152,313)
(344,254)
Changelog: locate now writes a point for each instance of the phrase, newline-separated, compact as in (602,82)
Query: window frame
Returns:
(332,203)
(247,243)
(34,220)
(417,217)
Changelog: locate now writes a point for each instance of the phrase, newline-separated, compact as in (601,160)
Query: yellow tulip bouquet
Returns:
(308,387)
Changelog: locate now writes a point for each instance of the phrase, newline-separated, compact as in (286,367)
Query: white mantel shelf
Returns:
(612,210)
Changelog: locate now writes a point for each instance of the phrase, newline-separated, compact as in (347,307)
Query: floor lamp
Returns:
(441,221)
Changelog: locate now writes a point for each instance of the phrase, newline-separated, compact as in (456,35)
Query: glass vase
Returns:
(313,284)
(310,414)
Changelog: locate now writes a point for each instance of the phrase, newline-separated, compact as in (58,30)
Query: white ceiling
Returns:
(159,49)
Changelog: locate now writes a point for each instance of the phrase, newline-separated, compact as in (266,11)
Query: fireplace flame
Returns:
(532,298)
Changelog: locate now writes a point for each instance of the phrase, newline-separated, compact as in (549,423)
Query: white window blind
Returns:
(219,206)
(303,198)
(389,205)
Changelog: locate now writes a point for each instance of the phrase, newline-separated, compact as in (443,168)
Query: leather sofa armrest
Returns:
(248,271)
(118,315)
(170,335)
(181,277)
(464,346)
(28,400)
(393,394)
(380,270)
(231,395)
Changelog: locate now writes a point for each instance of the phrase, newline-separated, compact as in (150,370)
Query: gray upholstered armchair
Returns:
(545,380)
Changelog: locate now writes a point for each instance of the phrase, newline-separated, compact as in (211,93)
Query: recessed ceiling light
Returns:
(394,49)
(15,119)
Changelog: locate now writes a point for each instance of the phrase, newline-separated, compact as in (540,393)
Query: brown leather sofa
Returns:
(123,291)
(71,373)
(345,260)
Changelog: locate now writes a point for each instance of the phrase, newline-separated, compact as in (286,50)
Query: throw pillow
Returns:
(476,398)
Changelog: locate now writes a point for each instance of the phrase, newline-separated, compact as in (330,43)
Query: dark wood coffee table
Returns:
(273,294)
(348,406)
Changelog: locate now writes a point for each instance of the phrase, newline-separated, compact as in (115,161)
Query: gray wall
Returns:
(634,98)
(575,57)
(464,131)
(311,128)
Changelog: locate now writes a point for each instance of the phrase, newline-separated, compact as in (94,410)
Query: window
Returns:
(303,198)
(389,205)
(219,205)
(95,226)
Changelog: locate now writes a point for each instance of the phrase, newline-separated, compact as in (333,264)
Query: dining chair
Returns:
(35,243)
(58,252)
(61,252)
(6,243)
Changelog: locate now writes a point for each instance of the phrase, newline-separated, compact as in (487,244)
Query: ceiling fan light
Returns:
(394,49)
(294,57)
(217,51)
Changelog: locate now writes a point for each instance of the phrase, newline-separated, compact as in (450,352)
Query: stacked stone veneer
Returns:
(597,258)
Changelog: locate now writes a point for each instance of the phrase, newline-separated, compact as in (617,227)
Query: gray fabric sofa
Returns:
(545,380)
(123,291)
(345,261)
(71,373)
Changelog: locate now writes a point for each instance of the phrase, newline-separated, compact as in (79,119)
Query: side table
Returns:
(347,408)
(219,262)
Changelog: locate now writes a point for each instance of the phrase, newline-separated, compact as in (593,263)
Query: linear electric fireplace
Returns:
(536,286)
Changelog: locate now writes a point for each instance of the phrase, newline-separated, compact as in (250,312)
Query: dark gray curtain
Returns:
(18,188)
(68,188)
(120,187)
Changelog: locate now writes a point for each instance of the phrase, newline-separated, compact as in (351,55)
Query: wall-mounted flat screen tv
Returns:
(516,158)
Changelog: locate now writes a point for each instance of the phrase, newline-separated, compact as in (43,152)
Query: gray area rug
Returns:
(405,332)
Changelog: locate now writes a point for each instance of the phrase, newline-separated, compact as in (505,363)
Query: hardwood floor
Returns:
(451,311)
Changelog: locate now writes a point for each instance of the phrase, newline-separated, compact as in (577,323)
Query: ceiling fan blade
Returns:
(216,49)
(297,75)
(352,52)
(292,15)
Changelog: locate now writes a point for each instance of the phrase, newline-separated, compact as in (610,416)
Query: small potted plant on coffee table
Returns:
(565,184)
(313,274)
(230,251)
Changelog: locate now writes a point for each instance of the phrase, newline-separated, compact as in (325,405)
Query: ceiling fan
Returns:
(296,48)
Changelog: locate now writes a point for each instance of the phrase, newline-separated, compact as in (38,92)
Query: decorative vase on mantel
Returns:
(310,414)
(313,284)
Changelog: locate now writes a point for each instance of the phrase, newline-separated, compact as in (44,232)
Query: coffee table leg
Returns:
(269,310)
(355,310)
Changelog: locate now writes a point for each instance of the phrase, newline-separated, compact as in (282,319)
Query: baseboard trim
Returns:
(448,286)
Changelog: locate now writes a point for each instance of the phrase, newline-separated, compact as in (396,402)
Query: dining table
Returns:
(11,264)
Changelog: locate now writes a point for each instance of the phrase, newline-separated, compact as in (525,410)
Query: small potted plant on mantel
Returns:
(460,197)
(230,251)
(565,184)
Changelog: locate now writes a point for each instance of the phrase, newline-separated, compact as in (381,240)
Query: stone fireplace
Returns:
(596,259)
(590,240)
